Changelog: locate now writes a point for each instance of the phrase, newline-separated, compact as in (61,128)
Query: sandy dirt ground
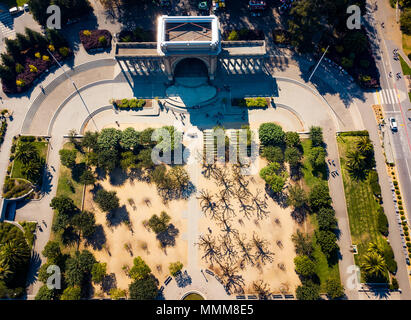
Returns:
(279,273)
(143,242)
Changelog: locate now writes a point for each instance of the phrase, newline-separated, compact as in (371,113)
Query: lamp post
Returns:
(318,64)
(74,85)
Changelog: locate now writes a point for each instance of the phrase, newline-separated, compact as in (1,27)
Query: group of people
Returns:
(334,173)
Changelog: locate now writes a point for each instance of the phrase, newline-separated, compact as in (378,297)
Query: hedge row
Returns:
(250,102)
(130,103)
(363,133)
(3,129)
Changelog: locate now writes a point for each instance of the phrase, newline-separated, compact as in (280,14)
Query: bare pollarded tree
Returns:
(261,249)
(260,205)
(211,250)
(246,209)
(262,289)
(242,184)
(224,220)
(227,248)
(208,169)
(225,205)
(233,281)
(244,249)
(206,202)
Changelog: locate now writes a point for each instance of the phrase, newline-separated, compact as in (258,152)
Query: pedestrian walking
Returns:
(333,163)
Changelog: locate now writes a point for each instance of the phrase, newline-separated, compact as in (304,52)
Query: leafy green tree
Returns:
(316,136)
(145,137)
(144,159)
(273,154)
(292,139)
(175,267)
(38,8)
(405,21)
(319,197)
(317,157)
(109,138)
(71,293)
(52,251)
(334,288)
(159,224)
(107,200)
(90,140)
(296,197)
(63,204)
(68,157)
(32,170)
(128,160)
(116,293)
(271,134)
(107,159)
(140,269)
(304,266)
(356,41)
(326,219)
(327,241)
(308,291)
(129,139)
(84,223)
(98,272)
(143,289)
(179,177)
(292,156)
(271,175)
(43,275)
(303,243)
(87,177)
(78,266)
(45,293)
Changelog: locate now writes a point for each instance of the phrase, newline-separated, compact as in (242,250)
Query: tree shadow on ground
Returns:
(109,282)
(34,265)
(183,279)
(46,185)
(299,214)
(69,236)
(167,238)
(279,197)
(117,216)
(139,175)
(78,170)
(97,239)
(118,177)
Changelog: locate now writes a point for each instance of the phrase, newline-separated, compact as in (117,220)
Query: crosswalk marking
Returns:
(385,96)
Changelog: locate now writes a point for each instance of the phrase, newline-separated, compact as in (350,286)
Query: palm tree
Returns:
(32,170)
(364,145)
(374,264)
(355,162)
(14,253)
(5,272)
(26,152)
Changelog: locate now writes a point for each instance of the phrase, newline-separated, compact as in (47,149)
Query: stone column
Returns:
(167,65)
(213,67)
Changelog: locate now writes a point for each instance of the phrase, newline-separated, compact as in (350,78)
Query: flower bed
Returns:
(3,129)
(130,104)
(95,39)
(281,37)
(15,188)
(27,58)
(243,35)
(258,102)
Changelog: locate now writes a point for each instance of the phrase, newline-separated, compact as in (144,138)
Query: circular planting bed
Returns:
(193,296)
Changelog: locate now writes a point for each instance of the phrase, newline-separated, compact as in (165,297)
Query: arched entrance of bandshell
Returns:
(190,68)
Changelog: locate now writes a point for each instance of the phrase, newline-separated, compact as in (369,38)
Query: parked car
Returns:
(393,124)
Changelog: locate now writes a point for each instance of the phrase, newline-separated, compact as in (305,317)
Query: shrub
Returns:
(273,154)
(382,222)
(68,157)
(19,68)
(394,284)
(87,33)
(102,41)
(46,58)
(37,55)
(175,267)
(334,288)
(140,269)
(316,136)
(64,51)
(143,289)
(159,224)
(308,291)
(388,254)
(327,241)
(319,197)
(107,200)
(51,48)
(33,68)
(20,83)
(304,266)
(271,134)
(233,36)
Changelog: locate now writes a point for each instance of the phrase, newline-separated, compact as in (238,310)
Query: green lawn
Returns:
(323,269)
(406,70)
(17,165)
(361,205)
(75,191)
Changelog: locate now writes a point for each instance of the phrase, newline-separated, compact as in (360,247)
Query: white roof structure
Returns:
(188,35)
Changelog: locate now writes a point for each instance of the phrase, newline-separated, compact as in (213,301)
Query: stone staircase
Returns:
(6,23)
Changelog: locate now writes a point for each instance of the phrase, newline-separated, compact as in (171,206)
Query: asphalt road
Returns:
(393,97)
